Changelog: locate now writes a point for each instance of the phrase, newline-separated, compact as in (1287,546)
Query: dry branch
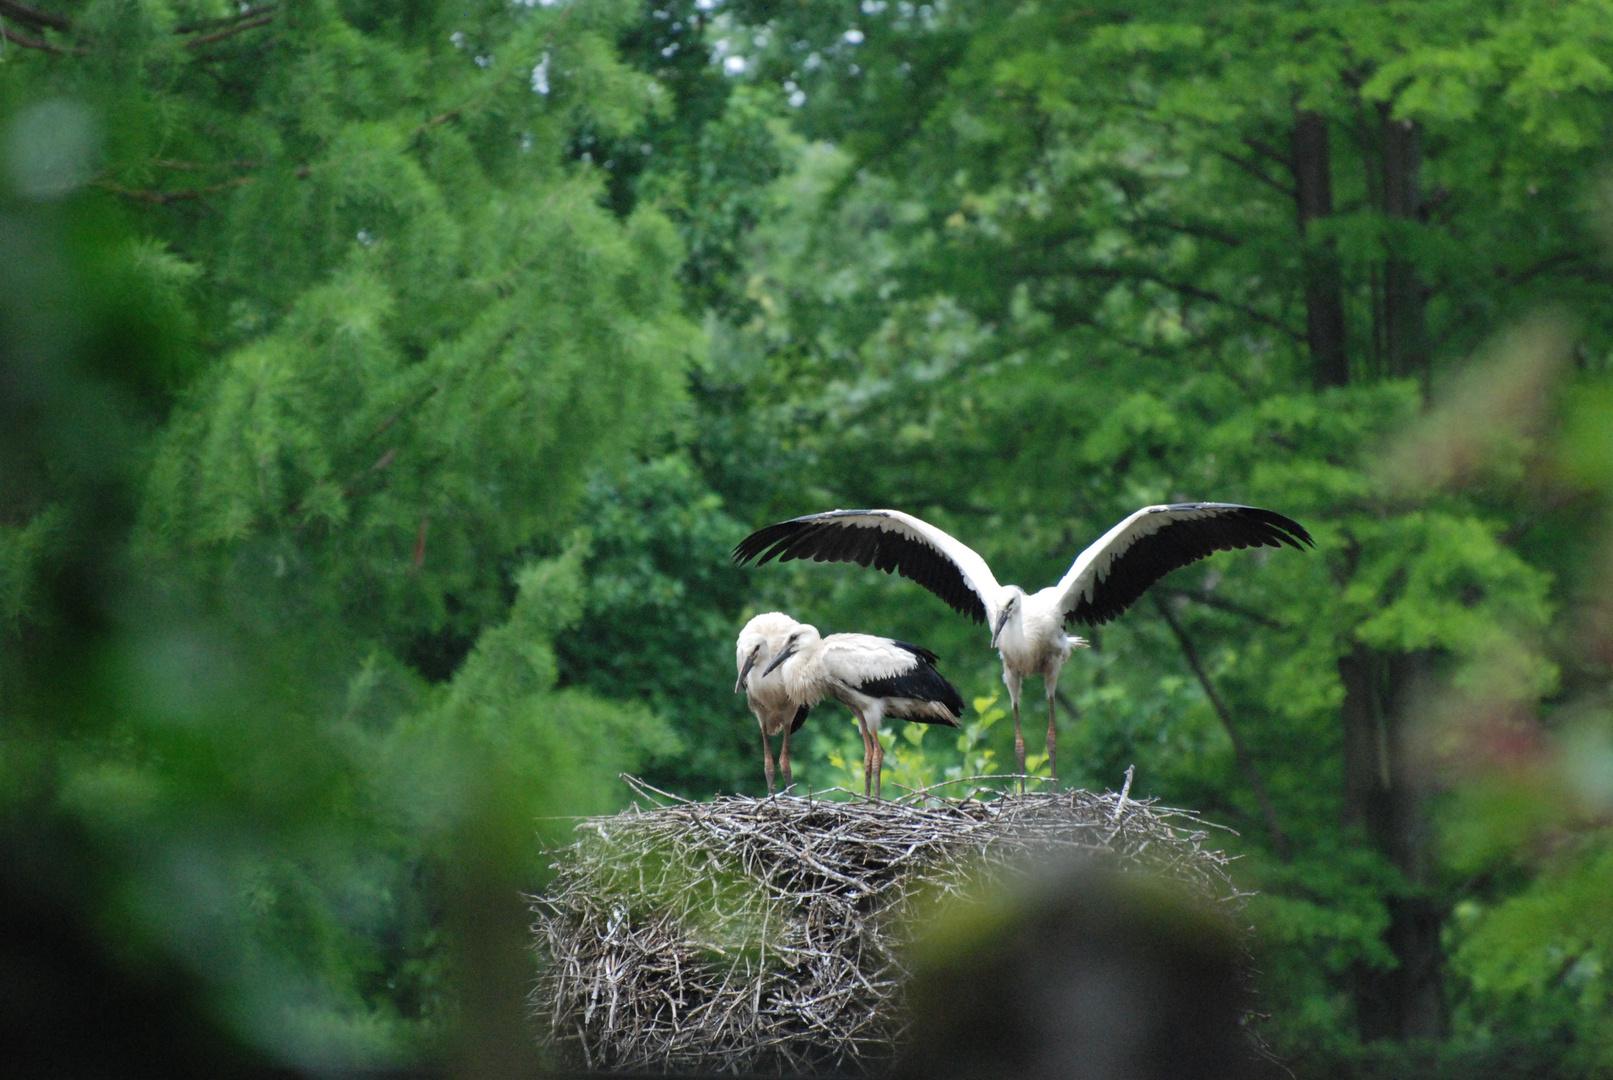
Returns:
(766,935)
(39,43)
(12,9)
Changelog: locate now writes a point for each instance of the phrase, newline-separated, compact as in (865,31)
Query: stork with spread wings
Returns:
(1028,630)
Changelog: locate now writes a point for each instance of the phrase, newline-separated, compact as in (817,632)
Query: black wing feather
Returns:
(800,718)
(818,537)
(921,683)
(917,650)
(1178,544)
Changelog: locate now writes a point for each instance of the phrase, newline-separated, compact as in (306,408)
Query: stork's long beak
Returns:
(997,632)
(788,651)
(750,662)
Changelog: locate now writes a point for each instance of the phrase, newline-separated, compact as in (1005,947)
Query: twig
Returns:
(1125,789)
(39,43)
(159,198)
(230,31)
(44,20)
(1227,606)
(1274,829)
(767,935)
(227,20)
(443,118)
(197,166)
(643,787)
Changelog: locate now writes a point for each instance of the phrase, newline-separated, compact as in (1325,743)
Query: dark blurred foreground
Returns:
(1084,974)
(1088,975)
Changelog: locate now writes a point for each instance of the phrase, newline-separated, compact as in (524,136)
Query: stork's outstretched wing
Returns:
(888,540)
(1109,576)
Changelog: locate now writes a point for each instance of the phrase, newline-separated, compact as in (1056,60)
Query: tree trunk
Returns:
(1324,296)
(1404,297)
(1385,796)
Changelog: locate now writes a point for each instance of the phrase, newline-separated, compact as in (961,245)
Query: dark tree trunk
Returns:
(1385,796)
(1366,779)
(1404,297)
(1324,297)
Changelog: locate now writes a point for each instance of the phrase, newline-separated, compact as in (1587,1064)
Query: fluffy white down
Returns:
(770,701)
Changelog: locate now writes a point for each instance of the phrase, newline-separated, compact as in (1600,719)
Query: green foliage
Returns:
(280,632)
(386,385)
(661,603)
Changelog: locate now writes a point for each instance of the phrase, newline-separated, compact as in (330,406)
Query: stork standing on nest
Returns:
(874,677)
(1027,630)
(760,641)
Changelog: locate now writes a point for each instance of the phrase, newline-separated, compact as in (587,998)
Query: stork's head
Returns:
(1010,608)
(759,641)
(802,636)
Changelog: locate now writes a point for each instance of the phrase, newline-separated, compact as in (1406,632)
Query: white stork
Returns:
(1028,630)
(874,677)
(760,641)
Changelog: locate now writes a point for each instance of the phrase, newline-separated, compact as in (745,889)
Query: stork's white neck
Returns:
(1033,637)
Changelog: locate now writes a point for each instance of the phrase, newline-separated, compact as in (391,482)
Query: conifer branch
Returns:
(451,114)
(158,198)
(201,166)
(381,429)
(226,21)
(230,31)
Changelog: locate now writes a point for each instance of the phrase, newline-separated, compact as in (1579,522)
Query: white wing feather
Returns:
(862,658)
(1092,565)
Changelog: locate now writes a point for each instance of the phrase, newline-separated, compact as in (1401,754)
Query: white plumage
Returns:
(1028,630)
(776,714)
(874,677)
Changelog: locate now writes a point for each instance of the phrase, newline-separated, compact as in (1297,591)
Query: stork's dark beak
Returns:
(997,632)
(785,654)
(750,662)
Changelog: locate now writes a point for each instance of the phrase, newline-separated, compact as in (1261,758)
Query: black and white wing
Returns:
(1109,576)
(886,668)
(887,540)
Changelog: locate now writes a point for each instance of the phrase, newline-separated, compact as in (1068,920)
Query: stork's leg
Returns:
(1011,680)
(784,758)
(1050,679)
(868,757)
(767,762)
(1052,733)
(879,765)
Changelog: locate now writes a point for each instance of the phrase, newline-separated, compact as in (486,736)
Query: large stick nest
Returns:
(751,935)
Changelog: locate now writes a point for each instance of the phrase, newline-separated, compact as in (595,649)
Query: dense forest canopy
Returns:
(385,384)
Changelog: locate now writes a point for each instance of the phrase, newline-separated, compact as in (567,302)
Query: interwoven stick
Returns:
(754,936)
